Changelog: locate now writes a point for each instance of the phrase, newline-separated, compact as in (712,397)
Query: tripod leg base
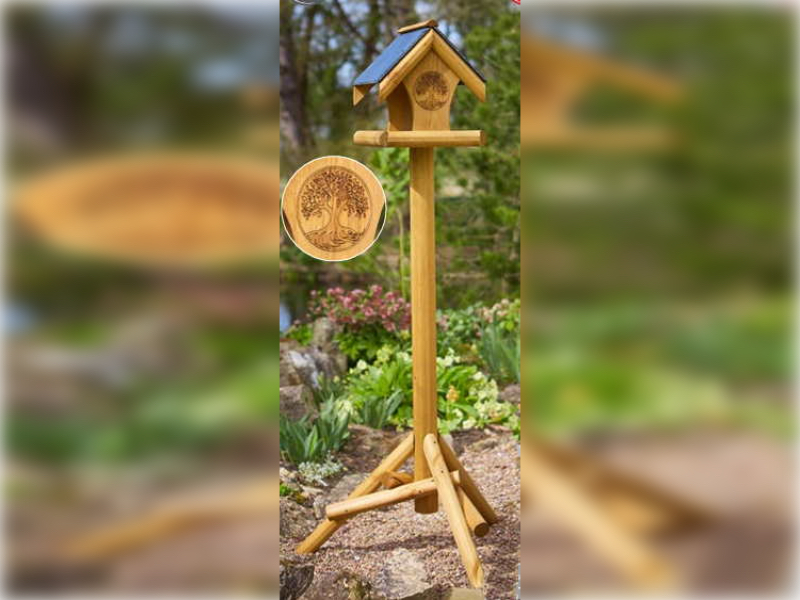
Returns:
(327,528)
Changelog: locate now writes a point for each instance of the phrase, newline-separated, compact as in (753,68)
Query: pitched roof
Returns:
(394,53)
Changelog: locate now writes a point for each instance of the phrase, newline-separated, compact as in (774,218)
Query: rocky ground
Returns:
(395,553)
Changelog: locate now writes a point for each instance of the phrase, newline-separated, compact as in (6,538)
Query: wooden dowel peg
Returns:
(371,138)
(452,507)
(349,508)
(467,483)
(392,462)
(477,524)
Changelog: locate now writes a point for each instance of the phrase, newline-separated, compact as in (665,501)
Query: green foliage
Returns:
(318,472)
(466,397)
(364,343)
(500,352)
(486,336)
(327,390)
(376,411)
(287,491)
(301,333)
(312,441)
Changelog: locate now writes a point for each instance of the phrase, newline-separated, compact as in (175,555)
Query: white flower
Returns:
(318,472)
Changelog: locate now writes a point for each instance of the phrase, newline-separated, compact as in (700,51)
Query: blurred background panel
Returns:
(141,413)
(659,276)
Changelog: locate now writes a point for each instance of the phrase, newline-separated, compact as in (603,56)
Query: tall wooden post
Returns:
(423,313)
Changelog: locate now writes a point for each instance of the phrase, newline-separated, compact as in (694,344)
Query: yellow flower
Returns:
(452,394)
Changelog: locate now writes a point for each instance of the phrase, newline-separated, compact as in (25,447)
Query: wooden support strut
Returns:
(455,514)
(467,483)
(349,508)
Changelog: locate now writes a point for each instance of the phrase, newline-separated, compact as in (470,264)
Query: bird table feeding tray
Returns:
(417,76)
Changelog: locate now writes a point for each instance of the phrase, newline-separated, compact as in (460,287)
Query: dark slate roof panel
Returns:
(391,55)
(394,53)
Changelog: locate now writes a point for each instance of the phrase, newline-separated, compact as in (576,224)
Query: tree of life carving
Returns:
(431,91)
(332,192)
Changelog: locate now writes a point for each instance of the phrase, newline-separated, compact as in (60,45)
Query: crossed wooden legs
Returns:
(467,510)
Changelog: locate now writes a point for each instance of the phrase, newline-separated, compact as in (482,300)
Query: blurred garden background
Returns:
(129,388)
(658,282)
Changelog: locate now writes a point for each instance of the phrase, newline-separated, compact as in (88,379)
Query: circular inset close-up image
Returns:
(333,208)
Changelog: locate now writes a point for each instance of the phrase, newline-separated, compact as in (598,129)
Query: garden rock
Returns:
(296,402)
(344,585)
(323,332)
(344,486)
(308,365)
(485,444)
(404,577)
(295,578)
(296,520)
(511,394)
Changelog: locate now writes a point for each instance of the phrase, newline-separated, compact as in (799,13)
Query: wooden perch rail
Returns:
(419,139)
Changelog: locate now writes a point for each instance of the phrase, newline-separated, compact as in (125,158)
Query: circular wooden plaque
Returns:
(333,208)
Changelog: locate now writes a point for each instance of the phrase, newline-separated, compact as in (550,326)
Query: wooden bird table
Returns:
(417,76)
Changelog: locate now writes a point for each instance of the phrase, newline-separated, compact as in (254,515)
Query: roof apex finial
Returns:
(420,25)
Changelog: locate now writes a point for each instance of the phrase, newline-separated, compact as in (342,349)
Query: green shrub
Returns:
(364,343)
(466,397)
(301,333)
(377,410)
(305,441)
(464,331)
(328,389)
(500,353)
